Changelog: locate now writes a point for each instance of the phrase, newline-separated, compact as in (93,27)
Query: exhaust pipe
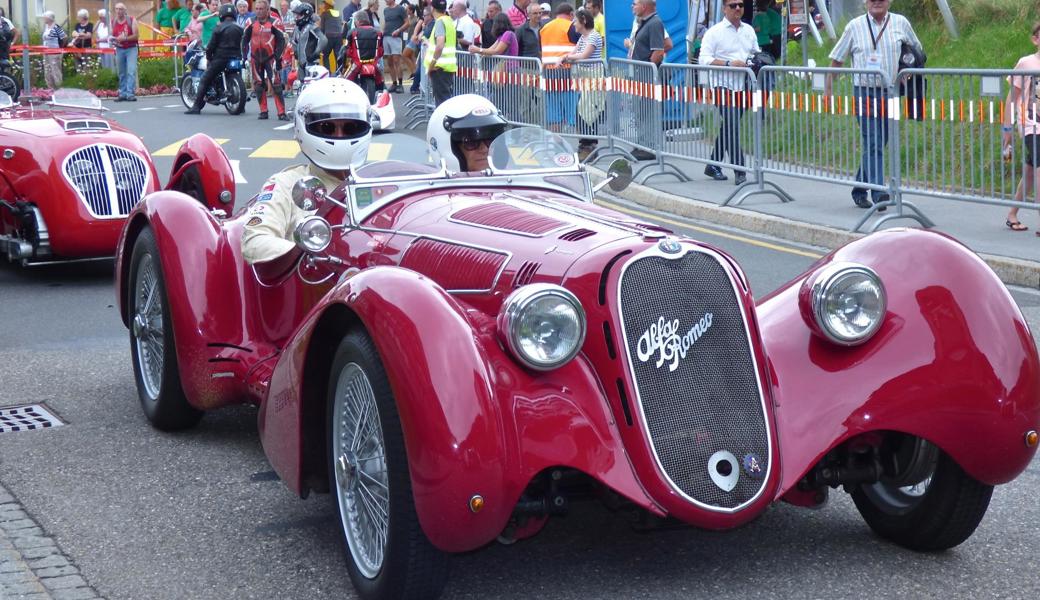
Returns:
(17,249)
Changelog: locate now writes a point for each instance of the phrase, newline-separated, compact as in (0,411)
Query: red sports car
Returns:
(458,358)
(68,178)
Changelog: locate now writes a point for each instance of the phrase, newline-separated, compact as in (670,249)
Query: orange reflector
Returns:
(1032,438)
(476,503)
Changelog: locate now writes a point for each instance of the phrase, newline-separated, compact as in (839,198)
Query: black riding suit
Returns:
(308,43)
(225,45)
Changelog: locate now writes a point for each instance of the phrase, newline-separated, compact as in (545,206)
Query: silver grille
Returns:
(109,179)
(709,400)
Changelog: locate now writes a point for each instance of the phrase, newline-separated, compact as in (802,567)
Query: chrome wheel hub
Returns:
(147,327)
(359,462)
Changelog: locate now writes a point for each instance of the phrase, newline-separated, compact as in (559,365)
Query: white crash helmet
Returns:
(315,72)
(319,105)
(458,119)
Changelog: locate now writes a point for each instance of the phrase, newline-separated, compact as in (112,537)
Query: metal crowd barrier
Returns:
(514,85)
(710,116)
(468,79)
(580,90)
(961,114)
(634,109)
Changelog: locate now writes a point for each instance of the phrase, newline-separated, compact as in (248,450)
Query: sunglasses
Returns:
(471,145)
(736,6)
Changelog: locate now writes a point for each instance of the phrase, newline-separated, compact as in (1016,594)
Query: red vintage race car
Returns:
(458,358)
(69,177)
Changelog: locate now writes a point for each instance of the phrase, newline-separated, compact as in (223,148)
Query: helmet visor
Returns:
(336,126)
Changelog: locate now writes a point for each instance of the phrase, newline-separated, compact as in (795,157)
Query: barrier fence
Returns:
(932,132)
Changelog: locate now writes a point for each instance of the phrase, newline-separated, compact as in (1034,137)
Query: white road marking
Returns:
(245,148)
(171,105)
(148,108)
(119,112)
(239,178)
(283,127)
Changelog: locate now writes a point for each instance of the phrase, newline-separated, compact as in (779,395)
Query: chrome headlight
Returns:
(848,303)
(313,234)
(543,325)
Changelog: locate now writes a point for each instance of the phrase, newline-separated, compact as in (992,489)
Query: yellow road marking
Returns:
(379,151)
(172,149)
(277,149)
(523,157)
(714,232)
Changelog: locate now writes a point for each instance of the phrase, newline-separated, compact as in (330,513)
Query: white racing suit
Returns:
(270,221)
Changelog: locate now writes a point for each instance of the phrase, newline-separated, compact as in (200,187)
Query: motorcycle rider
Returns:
(364,45)
(331,126)
(263,41)
(308,41)
(224,45)
(466,125)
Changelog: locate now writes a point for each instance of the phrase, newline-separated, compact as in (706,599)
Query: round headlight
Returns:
(543,325)
(848,303)
(313,234)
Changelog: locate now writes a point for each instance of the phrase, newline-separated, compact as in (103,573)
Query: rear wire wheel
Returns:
(936,513)
(9,86)
(152,347)
(388,555)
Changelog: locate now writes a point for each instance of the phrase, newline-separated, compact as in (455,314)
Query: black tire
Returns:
(188,90)
(409,566)
(151,341)
(943,516)
(235,94)
(9,85)
(369,85)
(190,183)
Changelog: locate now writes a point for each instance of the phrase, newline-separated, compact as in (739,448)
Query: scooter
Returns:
(228,90)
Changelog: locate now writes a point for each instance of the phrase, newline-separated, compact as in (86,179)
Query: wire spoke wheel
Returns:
(362,481)
(147,327)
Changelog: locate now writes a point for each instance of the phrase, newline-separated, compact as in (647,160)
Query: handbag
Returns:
(914,87)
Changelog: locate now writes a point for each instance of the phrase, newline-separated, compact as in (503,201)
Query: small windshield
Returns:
(531,149)
(73,98)
(393,155)
(5,100)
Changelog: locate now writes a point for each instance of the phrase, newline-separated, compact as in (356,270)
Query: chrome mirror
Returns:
(313,234)
(619,176)
(309,193)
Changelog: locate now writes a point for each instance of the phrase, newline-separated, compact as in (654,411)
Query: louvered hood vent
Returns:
(454,267)
(503,217)
(577,234)
(525,274)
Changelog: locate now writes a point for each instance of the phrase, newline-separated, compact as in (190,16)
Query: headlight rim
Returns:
(513,307)
(824,281)
(300,241)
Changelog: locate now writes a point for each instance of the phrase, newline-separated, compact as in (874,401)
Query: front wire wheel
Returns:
(9,86)
(188,90)
(938,512)
(388,555)
(152,348)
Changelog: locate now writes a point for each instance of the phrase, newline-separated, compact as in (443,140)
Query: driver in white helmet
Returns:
(332,128)
(461,130)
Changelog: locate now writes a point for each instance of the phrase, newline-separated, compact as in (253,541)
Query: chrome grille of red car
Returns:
(697,387)
(109,179)
(455,267)
(501,216)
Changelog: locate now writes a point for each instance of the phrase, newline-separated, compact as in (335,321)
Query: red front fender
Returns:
(204,155)
(954,362)
(473,421)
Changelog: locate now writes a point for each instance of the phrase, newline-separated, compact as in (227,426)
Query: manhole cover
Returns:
(27,418)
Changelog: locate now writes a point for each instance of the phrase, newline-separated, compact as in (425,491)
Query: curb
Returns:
(1012,271)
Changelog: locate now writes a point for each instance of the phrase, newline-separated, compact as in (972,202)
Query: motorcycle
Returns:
(228,90)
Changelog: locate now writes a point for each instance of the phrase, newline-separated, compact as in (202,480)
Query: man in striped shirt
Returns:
(874,40)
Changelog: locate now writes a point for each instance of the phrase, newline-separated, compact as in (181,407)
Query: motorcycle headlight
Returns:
(848,303)
(123,171)
(313,234)
(543,325)
(84,175)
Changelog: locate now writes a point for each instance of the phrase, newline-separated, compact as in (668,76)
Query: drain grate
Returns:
(27,418)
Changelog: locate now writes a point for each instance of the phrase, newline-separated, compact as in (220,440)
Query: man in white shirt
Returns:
(874,40)
(729,43)
(467,29)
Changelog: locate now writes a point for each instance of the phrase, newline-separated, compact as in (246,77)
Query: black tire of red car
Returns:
(188,90)
(945,515)
(411,567)
(190,183)
(236,94)
(167,409)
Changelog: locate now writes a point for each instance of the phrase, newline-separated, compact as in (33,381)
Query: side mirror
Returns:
(309,193)
(313,234)
(619,176)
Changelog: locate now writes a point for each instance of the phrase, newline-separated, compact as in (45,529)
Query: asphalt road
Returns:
(200,515)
